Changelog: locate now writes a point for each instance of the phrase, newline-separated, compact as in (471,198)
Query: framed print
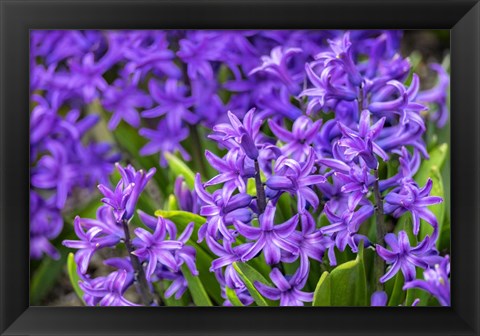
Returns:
(238,168)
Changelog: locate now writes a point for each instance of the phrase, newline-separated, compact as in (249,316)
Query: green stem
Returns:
(140,278)
(261,199)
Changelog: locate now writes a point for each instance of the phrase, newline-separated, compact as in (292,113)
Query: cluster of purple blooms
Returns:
(66,165)
(155,253)
(329,108)
(328,167)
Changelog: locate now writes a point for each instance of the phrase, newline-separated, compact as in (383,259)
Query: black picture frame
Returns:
(17,17)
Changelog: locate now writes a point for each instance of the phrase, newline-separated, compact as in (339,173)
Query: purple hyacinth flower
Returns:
(277,65)
(269,238)
(311,242)
(299,140)
(155,249)
(297,179)
(273,100)
(408,166)
(287,290)
(198,50)
(94,234)
(341,56)
(187,199)
(97,163)
(379,299)
(164,139)
(361,144)
(172,102)
(245,135)
(125,196)
(415,200)
(123,99)
(87,76)
(117,199)
(344,227)
(55,171)
(186,254)
(147,52)
(46,223)
(108,291)
(220,213)
(403,257)
(355,179)
(325,89)
(234,169)
(436,282)
(403,105)
(178,286)
(86,245)
(437,95)
(227,254)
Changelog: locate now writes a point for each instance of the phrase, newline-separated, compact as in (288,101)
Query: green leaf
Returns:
(46,275)
(73,276)
(437,209)
(405,223)
(251,187)
(232,297)
(444,238)
(431,169)
(208,279)
(182,218)
(322,220)
(195,286)
(179,168)
(249,275)
(397,296)
(316,270)
(437,159)
(348,284)
(322,295)
(285,206)
(172,203)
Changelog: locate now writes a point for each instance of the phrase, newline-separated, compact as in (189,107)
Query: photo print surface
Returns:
(239,168)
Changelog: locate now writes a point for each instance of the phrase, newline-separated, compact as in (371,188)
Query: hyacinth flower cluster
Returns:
(66,165)
(284,158)
(154,253)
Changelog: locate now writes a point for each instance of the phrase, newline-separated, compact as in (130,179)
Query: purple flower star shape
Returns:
(277,65)
(361,144)
(414,200)
(123,99)
(269,238)
(172,102)
(109,290)
(123,199)
(243,134)
(297,179)
(234,171)
(155,249)
(220,213)
(288,289)
(403,257)
(299,140)
(164,139)
(436,282)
